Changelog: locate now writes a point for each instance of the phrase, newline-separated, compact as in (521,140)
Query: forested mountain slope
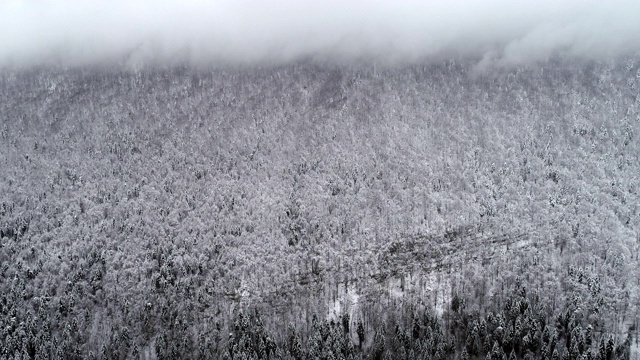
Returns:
(155,211)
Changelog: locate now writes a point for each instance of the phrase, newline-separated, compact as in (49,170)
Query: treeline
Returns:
(517,331)
(520,329)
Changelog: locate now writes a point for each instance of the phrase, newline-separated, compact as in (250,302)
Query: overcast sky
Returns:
(78,32)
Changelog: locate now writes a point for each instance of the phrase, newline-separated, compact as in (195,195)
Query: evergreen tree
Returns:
(360,332)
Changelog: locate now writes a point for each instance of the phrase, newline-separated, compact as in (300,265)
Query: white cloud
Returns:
(74,32)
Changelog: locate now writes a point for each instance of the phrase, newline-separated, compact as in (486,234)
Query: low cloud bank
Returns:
(255,32)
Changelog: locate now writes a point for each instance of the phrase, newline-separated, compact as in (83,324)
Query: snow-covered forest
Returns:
(309,211)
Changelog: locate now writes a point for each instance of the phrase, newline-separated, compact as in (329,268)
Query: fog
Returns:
(254,32)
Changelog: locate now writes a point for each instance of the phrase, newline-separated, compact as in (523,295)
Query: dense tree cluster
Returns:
(165,212)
